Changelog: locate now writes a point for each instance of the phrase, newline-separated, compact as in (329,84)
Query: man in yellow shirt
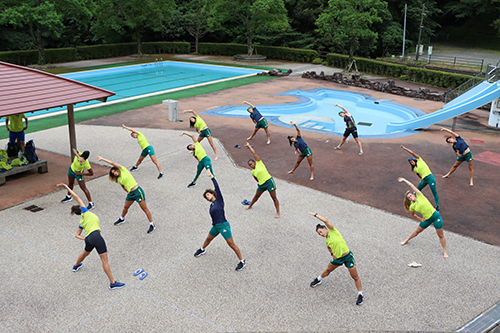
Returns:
(16,128)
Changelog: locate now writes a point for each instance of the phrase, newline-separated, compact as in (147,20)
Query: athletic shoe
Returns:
(90,206)
(315,283)
(241,265)
(160,175)
(199,252)
(360,153)
(337,148)
(116,285)
(67,199)
(151,228)
(119,221)
(134,168)
(191,185)
(359,301)
(77,267)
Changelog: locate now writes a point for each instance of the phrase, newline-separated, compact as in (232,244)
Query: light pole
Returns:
(404,33)
(420,32)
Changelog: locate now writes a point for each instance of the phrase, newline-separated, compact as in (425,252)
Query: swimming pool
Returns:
(138,81)
(314,111)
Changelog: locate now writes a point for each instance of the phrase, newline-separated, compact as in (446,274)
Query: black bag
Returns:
(30,153)
(12,149)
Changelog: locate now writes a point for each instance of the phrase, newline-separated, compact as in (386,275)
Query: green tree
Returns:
(254,16)
(196,19)
(485,10)
(347,23)
(134,16)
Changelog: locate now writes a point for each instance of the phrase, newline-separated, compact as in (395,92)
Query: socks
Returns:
(319,278)
(151,223)
(360,293)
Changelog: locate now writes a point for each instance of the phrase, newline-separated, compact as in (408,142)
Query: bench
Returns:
(40,164)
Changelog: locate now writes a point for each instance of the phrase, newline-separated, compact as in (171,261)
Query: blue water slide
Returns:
(481,94)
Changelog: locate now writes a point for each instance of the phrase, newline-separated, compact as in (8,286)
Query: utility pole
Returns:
(420,32)
(404,33)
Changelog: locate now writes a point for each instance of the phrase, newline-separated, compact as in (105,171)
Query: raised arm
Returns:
(449,131)
(343,108)
(99,158)
(296,128)
(130,129)
(255,156)
(190,111)
(190,135)
(411,152)
(322,219)
(413,187)
(250,104)
(77,198)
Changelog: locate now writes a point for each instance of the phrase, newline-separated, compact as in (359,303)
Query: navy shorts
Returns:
(353,131)
(95,240)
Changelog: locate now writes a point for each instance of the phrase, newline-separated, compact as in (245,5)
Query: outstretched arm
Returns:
(413,187)
(77,198)
(255,156)
(99,158)
(248,103)
(449,131)
(190,111)
(343,108)
(322,219)
(411,152)
(130,129)
(188,134)
(296,128)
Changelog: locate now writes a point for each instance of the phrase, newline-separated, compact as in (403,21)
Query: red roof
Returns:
(25,89)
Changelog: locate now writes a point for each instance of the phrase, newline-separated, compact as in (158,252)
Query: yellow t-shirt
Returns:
(90,222)
(126,179)
(199,124)
(199,152)
(422,168)
(422,206)
(336,242)
(142,141)
(260,172)
(78,166)
(16,122)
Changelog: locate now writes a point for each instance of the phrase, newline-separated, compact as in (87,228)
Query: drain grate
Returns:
(33,208)
(364,124)
(484,322)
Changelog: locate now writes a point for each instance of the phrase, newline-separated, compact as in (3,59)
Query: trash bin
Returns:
(173,109)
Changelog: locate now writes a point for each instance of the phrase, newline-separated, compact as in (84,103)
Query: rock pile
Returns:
(276,72)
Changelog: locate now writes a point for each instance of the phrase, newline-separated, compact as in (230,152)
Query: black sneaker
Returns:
(151,228)
(134,168)
(191,185)
(359,301)
(90,206)
(315,283)
(119,221)
(160,175)
(241,265)
(67,199)
(199,252)
(76,268)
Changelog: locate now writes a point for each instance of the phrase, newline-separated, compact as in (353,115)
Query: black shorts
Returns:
(353,131)
(95,240)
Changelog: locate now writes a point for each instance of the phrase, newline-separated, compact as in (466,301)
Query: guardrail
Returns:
(467,62)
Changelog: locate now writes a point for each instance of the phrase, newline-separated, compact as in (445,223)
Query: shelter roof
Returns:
(25,89)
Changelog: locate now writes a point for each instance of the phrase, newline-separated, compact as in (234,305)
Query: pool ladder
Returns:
(159,62)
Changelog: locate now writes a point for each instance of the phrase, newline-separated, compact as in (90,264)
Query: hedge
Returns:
(92,52)
(272,52)
(402,72)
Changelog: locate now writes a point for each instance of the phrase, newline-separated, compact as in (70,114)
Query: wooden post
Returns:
(72,132)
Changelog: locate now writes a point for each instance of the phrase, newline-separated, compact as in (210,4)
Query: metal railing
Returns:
(490,74)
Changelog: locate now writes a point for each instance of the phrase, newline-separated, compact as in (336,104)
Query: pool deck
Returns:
(359,194)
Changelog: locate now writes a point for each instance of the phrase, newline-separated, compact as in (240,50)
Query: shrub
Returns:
(23,58)
(272,52)
(60,55)
(166,47)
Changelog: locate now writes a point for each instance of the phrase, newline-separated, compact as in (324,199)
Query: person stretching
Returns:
(415,201)
(303,150)
(200,155)
(424,173)
(202,129)
(219,223)
(340,253)
(258,120)
(266,182)
(463,153)
(147,149)
(119,174)
(93,239)
(80,162)
(350,128)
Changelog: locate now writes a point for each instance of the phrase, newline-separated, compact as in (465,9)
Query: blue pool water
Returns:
(152,78)
(315,111)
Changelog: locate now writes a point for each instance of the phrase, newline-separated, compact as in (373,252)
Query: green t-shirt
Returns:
(199,152)
(199,124)
(422,168)
(142,141)
(78,166)
(90,222)
(16,122)
(260,172)
(422,206)
(336,242)
(126,179)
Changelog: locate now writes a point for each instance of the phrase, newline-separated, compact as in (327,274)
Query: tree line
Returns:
(354,27)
